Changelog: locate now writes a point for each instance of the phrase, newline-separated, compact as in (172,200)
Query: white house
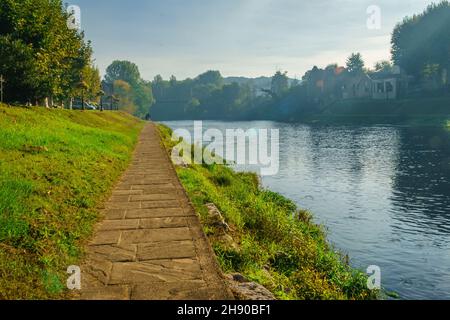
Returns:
(389,85)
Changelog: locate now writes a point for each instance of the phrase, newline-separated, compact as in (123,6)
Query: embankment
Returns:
(56,167)
(265,237)
(419,111)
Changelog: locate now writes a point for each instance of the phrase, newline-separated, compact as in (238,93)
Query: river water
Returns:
(382,192)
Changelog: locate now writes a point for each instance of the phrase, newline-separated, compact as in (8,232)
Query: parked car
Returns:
(87,106)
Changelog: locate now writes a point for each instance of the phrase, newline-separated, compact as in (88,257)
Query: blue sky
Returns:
(237,37)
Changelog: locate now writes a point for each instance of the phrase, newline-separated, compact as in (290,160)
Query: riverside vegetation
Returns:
(56,167)
(270,241)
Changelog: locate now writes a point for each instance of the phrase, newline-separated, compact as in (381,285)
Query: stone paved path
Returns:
(151,245)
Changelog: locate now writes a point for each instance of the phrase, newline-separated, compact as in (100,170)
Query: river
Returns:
(382,192)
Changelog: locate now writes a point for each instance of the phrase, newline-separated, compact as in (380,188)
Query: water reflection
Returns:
(383,192)
(421,200)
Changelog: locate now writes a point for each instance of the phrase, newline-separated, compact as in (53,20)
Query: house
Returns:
(357,85)
(334,83)
(324,84)
(388,85)
(385,89)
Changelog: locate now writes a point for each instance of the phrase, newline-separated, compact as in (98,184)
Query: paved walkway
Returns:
(151,245)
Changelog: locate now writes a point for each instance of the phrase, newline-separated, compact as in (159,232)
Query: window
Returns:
(389,87)
(380,87)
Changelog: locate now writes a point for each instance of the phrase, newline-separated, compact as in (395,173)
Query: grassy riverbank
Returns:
(270,241)
(419,111)
(56,167)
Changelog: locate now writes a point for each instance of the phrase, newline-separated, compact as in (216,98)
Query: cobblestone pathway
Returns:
(151,245)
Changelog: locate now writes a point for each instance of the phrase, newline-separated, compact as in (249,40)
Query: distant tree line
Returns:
(420,47)
(43,61)
(204,97)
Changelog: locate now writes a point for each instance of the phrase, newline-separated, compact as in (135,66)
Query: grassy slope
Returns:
(56,166)
(420,111)
(273,243)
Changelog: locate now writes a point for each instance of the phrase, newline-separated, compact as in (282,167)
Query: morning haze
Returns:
(240,38)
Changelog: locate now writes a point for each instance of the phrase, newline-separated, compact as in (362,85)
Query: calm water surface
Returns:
(383,192)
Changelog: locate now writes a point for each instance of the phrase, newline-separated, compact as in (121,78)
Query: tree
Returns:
(143,98)
(332,67)
(280,83)
(213,78)
(383,65)
(205,97)
(159,87)
(123,70)
(83,86)
(355,63)
(42,58)
(17,65)
(173,81)
(123,92)
(81,69)
(423,40)
(136,94)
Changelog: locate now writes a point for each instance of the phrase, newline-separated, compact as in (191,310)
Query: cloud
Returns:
(238,37)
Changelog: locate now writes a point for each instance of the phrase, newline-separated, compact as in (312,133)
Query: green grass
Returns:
(273,243)
(56,169)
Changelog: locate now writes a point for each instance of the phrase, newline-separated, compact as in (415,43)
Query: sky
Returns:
(238,37)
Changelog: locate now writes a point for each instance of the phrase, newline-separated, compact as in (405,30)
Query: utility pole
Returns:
(2,80)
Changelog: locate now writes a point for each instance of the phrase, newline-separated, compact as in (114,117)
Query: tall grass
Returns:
(271,241)
(56,168)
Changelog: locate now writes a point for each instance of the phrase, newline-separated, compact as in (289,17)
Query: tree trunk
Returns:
(46,102)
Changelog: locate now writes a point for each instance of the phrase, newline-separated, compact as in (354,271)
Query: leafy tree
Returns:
(383,65)
(143,98)
(17,65)
(123,70)
(213,78)
(280,83)
(423,40)
(35,33)
(91,75)
(83,86)
(173,81)
(136,95)
(159,87)
(355,63)
(124,92)
(193,107)
(331,67)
